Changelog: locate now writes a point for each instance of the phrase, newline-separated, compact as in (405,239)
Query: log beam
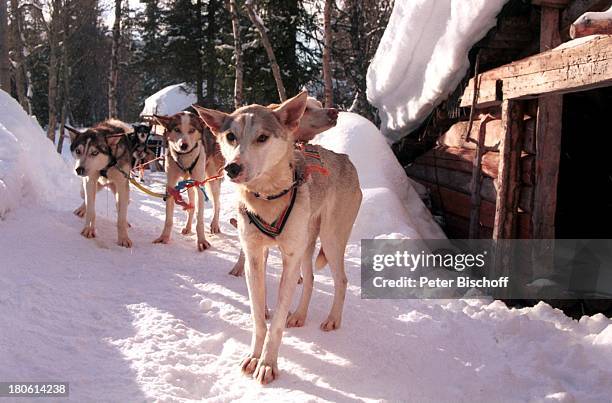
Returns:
(506,204)
(577,67)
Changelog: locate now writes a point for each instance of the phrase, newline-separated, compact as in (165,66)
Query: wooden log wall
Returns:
(446,171)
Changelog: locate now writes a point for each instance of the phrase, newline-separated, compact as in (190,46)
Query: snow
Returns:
(167,323)
(169,100)
(422,57)
(30,169)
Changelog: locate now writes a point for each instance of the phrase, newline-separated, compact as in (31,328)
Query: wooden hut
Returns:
(500,170)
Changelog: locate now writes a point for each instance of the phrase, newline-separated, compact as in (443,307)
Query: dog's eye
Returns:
(94,153)
(262,138)
(77,152)
(230,137)
(191,131)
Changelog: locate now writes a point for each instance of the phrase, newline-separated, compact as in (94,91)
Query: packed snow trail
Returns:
(167,323)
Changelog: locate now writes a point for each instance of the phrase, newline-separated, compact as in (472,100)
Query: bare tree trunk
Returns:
(257,21)
(233,9)
(21,75)
(327,43)
(200,69)
(114,64)
(212,68)
(65,79)
(53,33)
(5,68)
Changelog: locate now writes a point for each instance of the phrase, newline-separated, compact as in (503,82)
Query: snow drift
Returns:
(391,206)
(30,169)
(169,100)
(422,57)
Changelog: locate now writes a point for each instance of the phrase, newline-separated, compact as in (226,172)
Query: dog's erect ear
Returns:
(162,120)
(214,119)
(114,139)
(290,112)
(72,132)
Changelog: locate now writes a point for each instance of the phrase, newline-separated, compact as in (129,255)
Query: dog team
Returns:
(291,194)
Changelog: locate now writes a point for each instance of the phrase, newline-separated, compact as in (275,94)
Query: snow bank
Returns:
(422,57)
(170,100)
(29,166)
(390,204)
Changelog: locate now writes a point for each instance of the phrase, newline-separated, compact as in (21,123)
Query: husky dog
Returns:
(192,154)
(281,205)
(315,120)
(104,159)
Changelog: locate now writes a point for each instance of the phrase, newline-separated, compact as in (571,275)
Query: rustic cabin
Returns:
(520,150)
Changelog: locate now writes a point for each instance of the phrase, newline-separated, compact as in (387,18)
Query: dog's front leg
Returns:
(90,187)
(256,283)
(123,198)
(202,243)
(214,188)
(187,229)
(165,235)
(267,367)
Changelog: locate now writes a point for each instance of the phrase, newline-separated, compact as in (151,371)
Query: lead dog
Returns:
(316,119)
(279,205)
(103,158)
(191,154)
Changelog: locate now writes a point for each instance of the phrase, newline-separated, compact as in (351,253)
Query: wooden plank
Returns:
(576,9)
(551,3)
(581,66)
(460,182)
(458,159)
(506,205)
(456,135)
(477,179)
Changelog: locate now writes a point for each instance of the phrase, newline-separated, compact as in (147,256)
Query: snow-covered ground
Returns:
(167,323)
(422,57)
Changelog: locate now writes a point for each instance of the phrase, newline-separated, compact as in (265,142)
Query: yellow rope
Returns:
(145,190)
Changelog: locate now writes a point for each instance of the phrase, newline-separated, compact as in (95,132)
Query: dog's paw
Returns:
(186,231)
(248,365)
(125,242)
(162,239)
(296,319)
(331,323)
(214,228)
(300,280)
(89,232)
(237,270)
(265,373)
(80,212)
(203,244)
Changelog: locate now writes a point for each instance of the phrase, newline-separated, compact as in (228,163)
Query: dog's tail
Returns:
(321,260)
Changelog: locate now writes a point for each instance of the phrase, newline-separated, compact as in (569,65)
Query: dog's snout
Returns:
(80,171)
(233,170)
(184,146)
(333,113)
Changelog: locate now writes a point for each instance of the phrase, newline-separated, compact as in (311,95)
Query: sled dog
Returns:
(315,120)
(283,203)
(192,153)
(103,156)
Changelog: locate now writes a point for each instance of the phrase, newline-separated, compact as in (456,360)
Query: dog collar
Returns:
(193,164)
(275,228)
(297,182)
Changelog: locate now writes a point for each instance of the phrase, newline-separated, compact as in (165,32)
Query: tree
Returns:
(327,45)
(233,9)
(114,63)
(5,71)
(258,23)
(21,73)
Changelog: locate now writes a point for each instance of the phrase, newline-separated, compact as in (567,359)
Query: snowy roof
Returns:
(170,100)
(422,57)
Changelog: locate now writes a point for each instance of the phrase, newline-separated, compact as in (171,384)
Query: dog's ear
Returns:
(162,120)
(72,132)
(114,139)
(214,119)
(290,112)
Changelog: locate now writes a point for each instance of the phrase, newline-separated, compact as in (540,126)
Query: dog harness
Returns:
(313,164)
(193,164)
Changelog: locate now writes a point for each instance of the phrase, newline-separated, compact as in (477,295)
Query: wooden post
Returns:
(548,140)
(476,182)
(506,205)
